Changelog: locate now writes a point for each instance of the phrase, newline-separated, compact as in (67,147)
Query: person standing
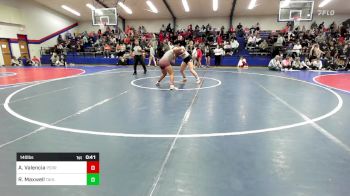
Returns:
(165,64)
(199,56)
(152,56)
(218,53)
(207,52)
(137,52)
(187,61)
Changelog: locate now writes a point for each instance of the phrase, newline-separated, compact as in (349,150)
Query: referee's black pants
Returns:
(138,59)
(217,60)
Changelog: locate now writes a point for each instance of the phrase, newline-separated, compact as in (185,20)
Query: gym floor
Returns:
(240,132)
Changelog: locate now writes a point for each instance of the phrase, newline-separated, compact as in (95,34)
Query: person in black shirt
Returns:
(138,58)
(239,30)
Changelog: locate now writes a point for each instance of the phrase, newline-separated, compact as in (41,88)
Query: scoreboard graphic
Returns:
(81,169)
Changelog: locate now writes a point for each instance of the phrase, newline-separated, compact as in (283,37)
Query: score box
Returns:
(58,169)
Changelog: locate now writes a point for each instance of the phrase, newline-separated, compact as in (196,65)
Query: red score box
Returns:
(93,167)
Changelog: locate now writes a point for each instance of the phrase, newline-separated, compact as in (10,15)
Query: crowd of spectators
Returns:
(319,48)
(325,46)
(112,43)
(24,61)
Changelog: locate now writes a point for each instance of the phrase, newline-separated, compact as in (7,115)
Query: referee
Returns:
(137,50)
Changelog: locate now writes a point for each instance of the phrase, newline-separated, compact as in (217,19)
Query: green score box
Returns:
(93,179)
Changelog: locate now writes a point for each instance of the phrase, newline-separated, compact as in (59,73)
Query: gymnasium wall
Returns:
(215,22)
(152,26)
(34,20)
(87,26)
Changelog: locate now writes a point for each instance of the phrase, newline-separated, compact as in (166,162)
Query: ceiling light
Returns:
(152,7)
(215,5)
(324,2)
(126,8)
(185,4)
(252,4)
(98,11)
(90,6)
(70,10)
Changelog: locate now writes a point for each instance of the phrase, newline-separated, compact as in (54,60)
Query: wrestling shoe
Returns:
(172,87)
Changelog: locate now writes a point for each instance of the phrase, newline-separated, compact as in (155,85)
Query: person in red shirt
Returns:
(341,40)
(161,37)
(219,40)
(231,29)
(199,56)
(127,40)
(127,30)
(36,61)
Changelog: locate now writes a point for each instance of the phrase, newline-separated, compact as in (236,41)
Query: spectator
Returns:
(15,62)
(68,35)
(242,63)
(239,29)
(234,45)
(258,39)
(227,48)
(107,51)
(218,52)
(171,46)
(162,29)
(222,30)
(207,53)
(264,46)
(306,63)
(252,29)
(166,46)
(280,41)
(199,56)
(257,27)
(298,65)
(275,64)
(168,28)
(289,49)
(26,61)
(231,30)
(297,49)
(151,55)
(60,39)
(194,56)
(55,61)
(251,40)
(36,61)
(287,63)
(219,40)
(62,60)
